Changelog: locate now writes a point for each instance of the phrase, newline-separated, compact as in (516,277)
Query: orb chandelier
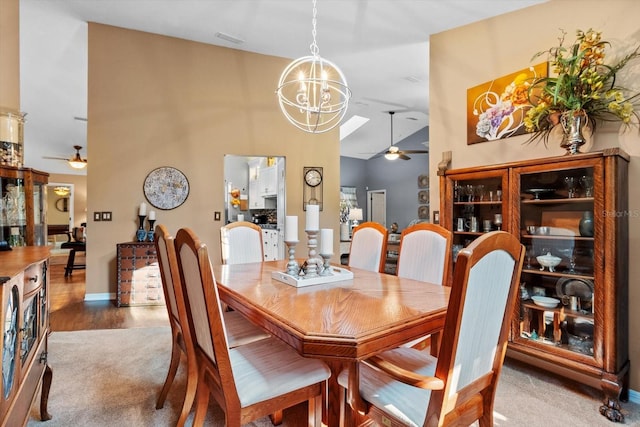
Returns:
(312,91)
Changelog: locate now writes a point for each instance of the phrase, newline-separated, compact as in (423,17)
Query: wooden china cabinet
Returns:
(571,213)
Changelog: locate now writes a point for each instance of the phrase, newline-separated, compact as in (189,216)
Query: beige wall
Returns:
(160,101)
(10,54)
(471,55)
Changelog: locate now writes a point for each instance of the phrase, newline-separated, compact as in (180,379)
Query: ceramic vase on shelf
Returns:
(344,231)
(586,224)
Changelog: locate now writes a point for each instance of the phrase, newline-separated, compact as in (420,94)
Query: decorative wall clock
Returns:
(166,188)
(312,186)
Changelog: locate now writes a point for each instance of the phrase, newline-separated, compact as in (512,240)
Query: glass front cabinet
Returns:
(571,214)
(23,206)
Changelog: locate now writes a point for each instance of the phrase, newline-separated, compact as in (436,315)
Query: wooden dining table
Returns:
(341,322)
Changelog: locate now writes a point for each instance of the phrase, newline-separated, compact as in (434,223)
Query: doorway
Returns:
(377,206)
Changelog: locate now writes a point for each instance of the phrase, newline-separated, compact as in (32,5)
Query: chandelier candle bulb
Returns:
(291,229)
(313,217)
(143,209)
(326,241)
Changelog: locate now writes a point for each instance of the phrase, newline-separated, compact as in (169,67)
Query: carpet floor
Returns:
(112,378)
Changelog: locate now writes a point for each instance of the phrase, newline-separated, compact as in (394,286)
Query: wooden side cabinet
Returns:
(139,281)
(571,213)
(24,309)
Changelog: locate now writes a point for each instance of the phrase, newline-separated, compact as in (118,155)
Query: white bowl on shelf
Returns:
(549,261)
(545,302)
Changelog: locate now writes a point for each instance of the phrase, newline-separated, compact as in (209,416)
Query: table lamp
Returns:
(355,215)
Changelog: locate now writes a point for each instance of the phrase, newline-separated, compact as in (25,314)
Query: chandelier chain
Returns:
(315,50)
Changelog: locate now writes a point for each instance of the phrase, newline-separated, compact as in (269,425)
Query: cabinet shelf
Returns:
(557,201)
(482,202)
(555,237)
(557,274)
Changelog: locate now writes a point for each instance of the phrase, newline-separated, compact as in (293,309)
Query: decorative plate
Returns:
(423,212)
(545,302)
(423,181)
(575,287)
(166,188)
(423,196)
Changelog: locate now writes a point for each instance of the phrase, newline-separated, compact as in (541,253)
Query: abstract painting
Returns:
(496,109)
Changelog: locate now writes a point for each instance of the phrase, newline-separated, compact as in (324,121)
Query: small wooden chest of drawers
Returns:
(139,281)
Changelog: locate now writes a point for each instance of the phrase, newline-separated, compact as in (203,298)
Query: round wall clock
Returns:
(166,188)
(313,177)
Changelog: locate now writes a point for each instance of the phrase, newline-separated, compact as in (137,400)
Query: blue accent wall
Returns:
(398,177)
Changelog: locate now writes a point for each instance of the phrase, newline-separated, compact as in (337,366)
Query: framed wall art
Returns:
(496,109)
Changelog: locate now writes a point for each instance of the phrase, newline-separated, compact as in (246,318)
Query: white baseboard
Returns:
(99,297)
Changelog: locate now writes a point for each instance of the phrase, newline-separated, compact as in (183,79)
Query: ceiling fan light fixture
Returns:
(76,161)
(392,153)
(62,190)
(312,91)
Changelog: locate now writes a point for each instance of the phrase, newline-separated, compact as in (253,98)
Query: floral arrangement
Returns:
(582,85)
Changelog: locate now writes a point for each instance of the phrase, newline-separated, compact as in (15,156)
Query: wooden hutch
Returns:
(574,209)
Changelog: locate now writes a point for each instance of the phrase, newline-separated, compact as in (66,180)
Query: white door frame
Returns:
(380,214)
(52,185)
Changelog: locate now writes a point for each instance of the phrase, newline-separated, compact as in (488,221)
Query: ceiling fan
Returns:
(76,161)
(394,152)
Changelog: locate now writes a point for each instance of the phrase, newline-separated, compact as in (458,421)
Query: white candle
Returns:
(326,241)
(291,229)
(152,215)
(143,209)
(313,217)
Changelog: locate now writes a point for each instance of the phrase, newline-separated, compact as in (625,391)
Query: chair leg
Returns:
(202,403)
(70,262)
(315,411)
(176,352)
(190,393)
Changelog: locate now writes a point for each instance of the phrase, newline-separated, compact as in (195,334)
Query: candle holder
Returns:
(292,265)
(311,269)
(151,230)
(326,268)
(141,234)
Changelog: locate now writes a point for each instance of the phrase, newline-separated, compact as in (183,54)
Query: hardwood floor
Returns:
(70,312)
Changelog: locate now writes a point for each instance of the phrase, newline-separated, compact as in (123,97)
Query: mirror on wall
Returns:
(254,191)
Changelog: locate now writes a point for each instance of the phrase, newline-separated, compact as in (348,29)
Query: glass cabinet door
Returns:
(13,218)
(479,206)
(557,226)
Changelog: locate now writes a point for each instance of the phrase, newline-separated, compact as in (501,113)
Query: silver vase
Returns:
(572,138)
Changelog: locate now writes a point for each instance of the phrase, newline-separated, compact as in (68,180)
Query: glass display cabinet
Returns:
(571,214)
(23,207)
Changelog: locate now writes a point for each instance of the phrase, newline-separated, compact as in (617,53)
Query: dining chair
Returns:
(239,329)
(369,247)
(241,242)
(425,255)
(411,387)
(249,381)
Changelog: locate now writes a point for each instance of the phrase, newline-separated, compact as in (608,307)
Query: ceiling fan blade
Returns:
(403,156)
(54,158)
(415,151)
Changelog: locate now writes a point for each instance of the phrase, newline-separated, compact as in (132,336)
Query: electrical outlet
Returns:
(216,216)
